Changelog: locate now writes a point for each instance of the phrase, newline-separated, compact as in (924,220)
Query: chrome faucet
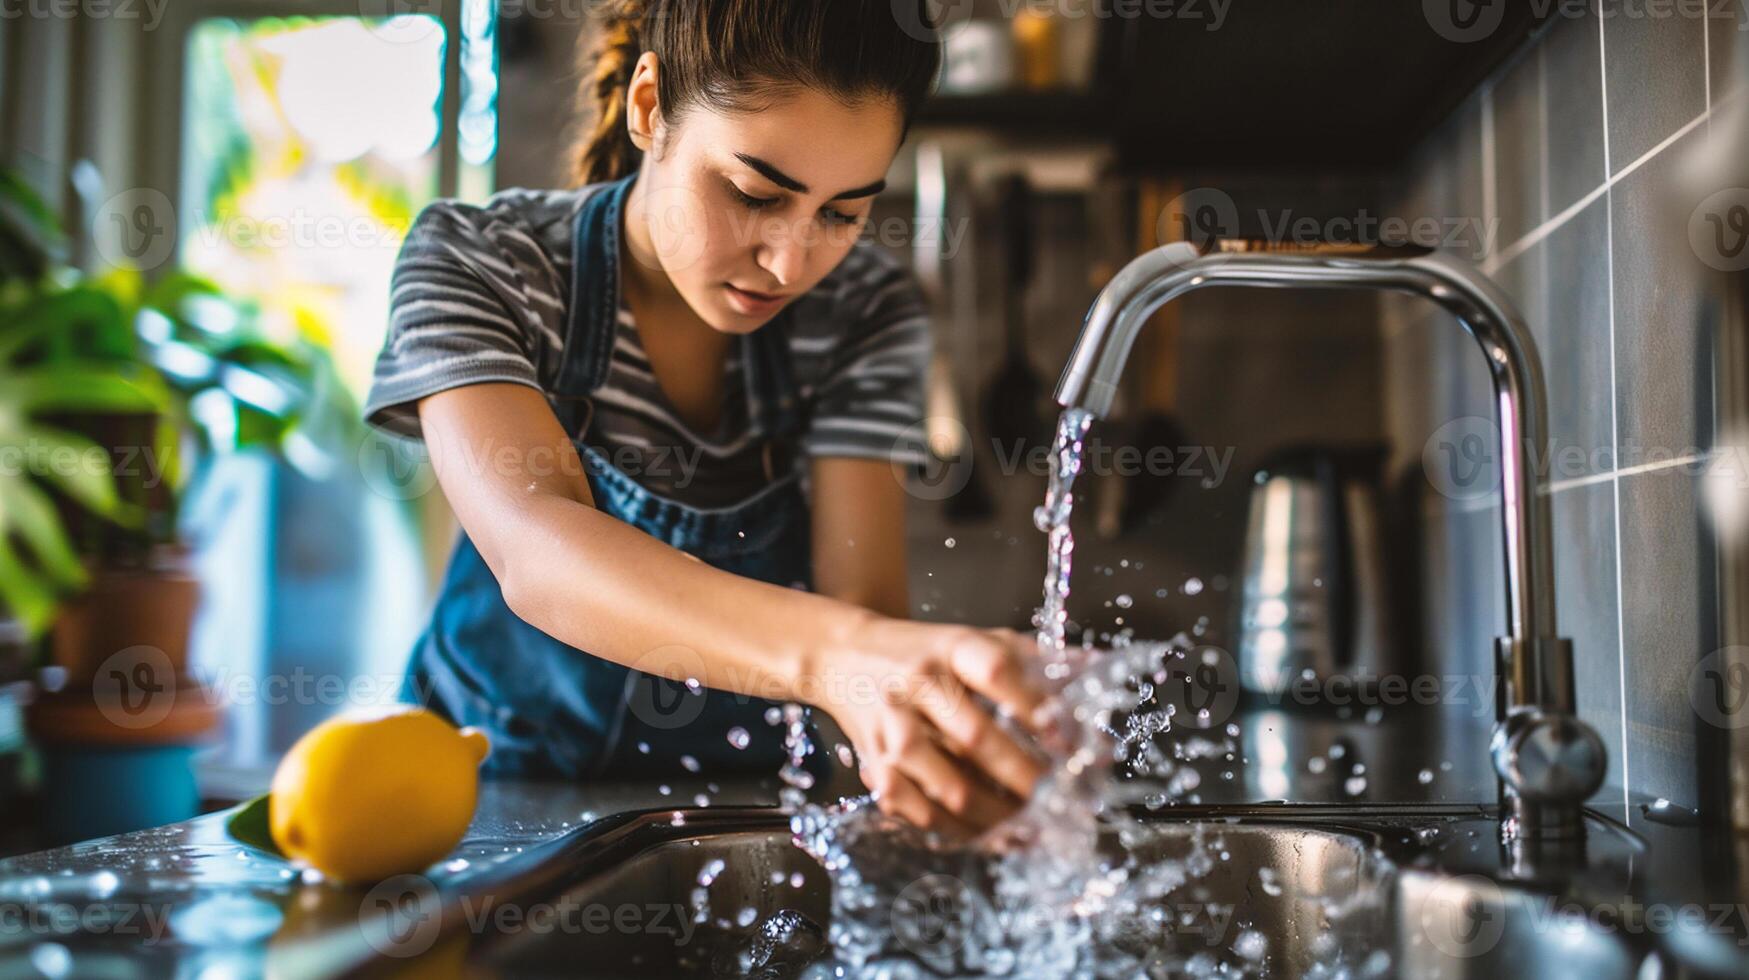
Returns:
(1548,760)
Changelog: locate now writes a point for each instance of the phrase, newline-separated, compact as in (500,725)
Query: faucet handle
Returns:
(1549,757)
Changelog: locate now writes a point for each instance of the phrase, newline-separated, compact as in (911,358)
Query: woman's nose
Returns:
(784,255)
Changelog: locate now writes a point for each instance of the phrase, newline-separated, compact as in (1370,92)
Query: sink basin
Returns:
(1468,926)
(1228,897)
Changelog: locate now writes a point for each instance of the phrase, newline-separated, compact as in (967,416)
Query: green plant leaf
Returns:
(25,596)
(80,388)
(90,486)
(250,824)
(26,511)
(79,321)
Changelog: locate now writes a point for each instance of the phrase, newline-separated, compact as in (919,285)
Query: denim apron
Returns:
(552,710)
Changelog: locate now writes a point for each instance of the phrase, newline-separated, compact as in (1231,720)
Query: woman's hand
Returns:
(908,696)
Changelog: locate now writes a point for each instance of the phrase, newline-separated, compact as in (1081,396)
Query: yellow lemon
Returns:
(362,797)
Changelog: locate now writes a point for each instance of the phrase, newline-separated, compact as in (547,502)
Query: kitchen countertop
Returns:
(186,897)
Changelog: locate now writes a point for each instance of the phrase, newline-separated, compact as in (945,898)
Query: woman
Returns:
(666,406)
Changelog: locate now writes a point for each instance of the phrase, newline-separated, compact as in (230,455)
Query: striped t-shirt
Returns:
(480,294)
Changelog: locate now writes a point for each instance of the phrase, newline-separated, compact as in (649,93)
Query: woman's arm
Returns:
(900,689)
(859,534)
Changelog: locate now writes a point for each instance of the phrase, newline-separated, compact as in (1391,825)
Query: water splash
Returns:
(1052,518)
(797,780)
(1074,885)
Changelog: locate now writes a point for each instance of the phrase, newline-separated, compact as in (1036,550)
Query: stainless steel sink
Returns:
(1468,926)
(1324,895)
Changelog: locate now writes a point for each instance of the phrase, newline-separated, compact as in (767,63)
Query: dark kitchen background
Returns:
(271,151)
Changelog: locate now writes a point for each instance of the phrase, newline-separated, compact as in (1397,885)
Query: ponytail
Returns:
(606,151)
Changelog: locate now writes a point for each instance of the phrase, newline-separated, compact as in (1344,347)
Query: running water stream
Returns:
(1073,885)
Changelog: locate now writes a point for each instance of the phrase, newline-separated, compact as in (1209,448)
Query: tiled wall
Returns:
(1573,155)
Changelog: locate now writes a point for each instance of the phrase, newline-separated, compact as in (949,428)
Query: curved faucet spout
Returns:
(1534,663)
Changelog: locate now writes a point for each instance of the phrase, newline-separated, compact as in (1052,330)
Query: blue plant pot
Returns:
(99,790)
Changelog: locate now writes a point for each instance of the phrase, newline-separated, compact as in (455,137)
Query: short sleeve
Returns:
(870,404)
(453,318)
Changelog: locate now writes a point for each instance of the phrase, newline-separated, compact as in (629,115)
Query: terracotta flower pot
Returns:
(125,609)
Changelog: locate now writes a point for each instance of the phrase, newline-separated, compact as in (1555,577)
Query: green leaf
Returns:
(29,513)
(14,191)
(90,486)
(249,824)
(81,388)
(89,316)
(26,597)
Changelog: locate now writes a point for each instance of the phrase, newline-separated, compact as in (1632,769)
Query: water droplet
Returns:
(1124,601)
(51,959)
(1354,785)
(1425,776)
(644,747)
(950,542)
(739,738)
(1271,881)
(689,763)
(708,874)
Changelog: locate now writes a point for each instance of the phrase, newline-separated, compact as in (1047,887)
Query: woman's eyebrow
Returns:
(789,183)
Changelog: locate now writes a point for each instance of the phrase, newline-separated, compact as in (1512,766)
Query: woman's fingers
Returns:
(950,783)
(899,796)
(992,664)
(976,738)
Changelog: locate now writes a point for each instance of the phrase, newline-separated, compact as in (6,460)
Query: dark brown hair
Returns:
(739,55)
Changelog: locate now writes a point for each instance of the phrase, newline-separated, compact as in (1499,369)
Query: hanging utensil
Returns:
(1011,404)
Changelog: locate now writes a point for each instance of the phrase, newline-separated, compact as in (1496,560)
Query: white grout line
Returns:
(1542,123)
(1621,638)
(1556,486)
(1706,58)
(1554,224)
(1490,188)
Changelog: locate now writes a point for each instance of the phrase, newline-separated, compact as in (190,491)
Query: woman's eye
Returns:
(748,200)
(839,217)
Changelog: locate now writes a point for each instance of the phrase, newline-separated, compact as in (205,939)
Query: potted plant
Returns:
(113,392)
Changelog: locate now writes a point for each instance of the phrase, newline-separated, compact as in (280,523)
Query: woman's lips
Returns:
(751,303)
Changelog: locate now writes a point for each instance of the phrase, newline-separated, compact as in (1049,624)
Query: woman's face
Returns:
(747,211)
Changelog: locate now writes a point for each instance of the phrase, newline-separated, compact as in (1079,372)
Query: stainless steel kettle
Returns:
(1313,615)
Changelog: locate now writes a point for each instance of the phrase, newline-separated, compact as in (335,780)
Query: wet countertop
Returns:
(185,897)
